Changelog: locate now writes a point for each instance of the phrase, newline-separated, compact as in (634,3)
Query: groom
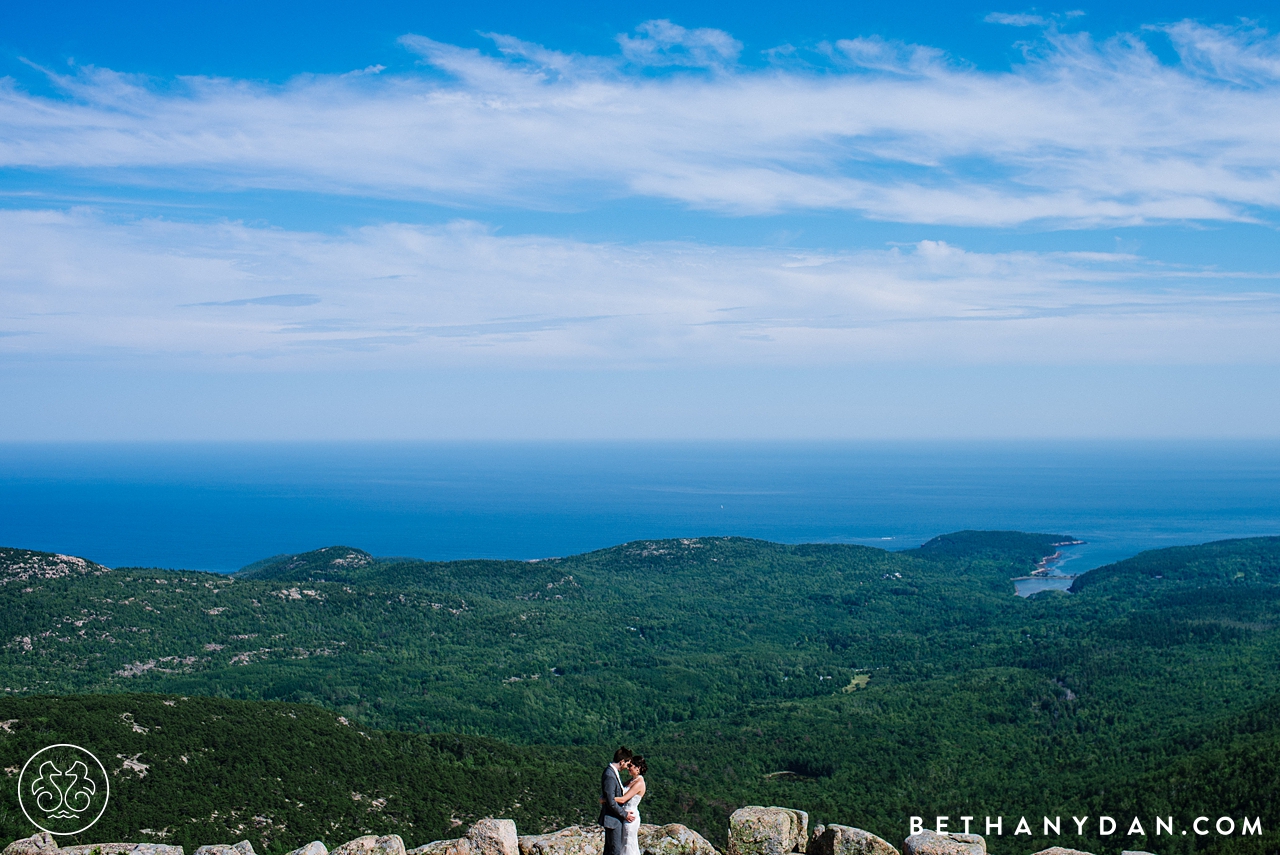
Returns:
(612,815)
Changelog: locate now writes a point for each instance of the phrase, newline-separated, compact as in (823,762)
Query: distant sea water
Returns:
(221,506)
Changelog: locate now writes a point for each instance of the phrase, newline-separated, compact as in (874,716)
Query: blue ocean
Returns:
(221,506)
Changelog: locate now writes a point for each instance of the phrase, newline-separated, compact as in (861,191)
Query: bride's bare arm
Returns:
(634,787)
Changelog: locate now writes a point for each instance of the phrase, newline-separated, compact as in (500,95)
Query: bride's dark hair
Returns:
(640,766)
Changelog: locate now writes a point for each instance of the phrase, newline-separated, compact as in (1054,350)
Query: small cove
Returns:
(1053,574)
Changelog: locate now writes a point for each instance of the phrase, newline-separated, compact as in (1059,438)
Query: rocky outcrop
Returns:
(23,565)
(120,849)
(847,840)
(436,847)
(493,837)
(388,844)
(45,844)
(753,830)
(36,844)
(800,820)
(486,837)
(756,830)
(315,847)
(933,843)
(673,839)
(574,840)
(244,847)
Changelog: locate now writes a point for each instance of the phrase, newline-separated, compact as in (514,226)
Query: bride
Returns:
(630,799)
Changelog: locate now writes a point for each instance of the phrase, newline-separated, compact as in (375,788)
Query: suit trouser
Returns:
(613,838)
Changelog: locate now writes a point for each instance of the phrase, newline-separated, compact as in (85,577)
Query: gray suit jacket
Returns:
(612,814)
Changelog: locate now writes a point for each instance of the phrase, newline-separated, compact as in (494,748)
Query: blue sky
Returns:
(694,220)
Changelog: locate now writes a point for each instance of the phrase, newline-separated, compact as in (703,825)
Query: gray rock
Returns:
(1062,850)
(244,847)
(932,843)
(574,840)
(155,849)
(673,839)
(1135,852)
(493,837)
(756,830)
(315,847)
(846,840)
(121,849)
(33,845)
(802,829)
(388,844)
(436,847)
(486,837)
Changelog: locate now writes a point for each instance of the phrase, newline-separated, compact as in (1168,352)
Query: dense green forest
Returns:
(211,770)
(862,685)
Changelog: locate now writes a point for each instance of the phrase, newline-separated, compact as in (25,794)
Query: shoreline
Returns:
(1044,572)
(1040,578)
(1043,568)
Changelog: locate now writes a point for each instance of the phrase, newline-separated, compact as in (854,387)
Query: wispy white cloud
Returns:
(1246,55)
(1081,133)
(270,300)
(1029,19)
(664,43)
(74,285)
(1020,19)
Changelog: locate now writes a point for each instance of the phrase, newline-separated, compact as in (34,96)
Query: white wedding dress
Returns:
(631,831)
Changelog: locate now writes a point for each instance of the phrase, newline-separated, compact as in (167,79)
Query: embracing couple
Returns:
(619,805)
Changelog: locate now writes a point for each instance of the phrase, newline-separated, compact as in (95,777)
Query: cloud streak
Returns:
(272,300)
(76,285)
(1081,133)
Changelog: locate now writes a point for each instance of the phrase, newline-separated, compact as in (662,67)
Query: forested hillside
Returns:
(570,650)
(861,685)
(203,770)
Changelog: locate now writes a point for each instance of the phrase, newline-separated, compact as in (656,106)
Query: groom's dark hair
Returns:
(621,755)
